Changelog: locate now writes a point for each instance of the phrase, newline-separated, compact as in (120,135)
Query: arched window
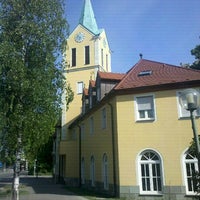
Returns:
(83,171)
(150,173)
(105,171)
(92,171)
(190,167)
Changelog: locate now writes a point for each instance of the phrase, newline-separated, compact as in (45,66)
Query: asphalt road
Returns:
(41,188)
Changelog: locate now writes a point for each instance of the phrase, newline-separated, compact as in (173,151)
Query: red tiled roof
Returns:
(151,73)
(110,75)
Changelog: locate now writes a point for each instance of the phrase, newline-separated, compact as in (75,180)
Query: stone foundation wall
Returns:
(132,192)
(169,193)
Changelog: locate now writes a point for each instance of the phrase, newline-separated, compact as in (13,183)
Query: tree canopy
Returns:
(196,52)
(32,42)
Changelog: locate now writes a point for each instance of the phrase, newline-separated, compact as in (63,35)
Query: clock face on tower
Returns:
(79,37)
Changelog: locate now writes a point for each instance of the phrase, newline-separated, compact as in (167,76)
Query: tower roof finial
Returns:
(87,18)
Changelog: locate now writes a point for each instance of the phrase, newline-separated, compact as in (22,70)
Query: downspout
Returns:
(79,153)
(113,151)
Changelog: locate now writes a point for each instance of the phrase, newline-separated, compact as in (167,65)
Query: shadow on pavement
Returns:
(44,185)
(41,188)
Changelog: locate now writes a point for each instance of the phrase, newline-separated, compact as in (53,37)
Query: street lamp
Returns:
(189,99)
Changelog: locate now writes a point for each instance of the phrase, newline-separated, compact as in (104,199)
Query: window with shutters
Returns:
(145,109)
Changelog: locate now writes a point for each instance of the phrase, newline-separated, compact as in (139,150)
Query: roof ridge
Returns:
(158,62)
(161,73)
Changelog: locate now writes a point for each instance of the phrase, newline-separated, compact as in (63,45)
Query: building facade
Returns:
(125,134)
(87,52)
(134,141)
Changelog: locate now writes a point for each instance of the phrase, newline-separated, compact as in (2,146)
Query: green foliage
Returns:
(196,174)
(32,41)
(196,52)
(44,159)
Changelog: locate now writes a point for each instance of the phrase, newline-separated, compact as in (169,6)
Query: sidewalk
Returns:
(43,188)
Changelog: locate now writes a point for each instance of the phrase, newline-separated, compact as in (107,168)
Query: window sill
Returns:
(187,117)
(145,120)
(192,195)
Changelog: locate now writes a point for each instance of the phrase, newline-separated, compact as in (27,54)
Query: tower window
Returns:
(73,57)
(87,55)
(107,62)
(102,57)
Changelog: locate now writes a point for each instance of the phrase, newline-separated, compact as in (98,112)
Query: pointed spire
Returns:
(87,18)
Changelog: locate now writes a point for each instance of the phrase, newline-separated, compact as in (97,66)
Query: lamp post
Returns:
(189,99)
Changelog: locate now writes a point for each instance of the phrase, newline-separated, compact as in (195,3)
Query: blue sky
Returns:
(162,30)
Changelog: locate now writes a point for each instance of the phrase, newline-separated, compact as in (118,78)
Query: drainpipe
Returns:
(79,144)
(113,151)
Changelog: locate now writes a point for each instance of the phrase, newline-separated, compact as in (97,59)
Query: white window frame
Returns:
(92,171)
(193,161)
(80,86)
(103,118)
(182,113)
(150,164)
(105,172)
(145,112)
(91,125)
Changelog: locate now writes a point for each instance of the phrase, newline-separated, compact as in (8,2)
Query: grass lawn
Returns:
(7,189)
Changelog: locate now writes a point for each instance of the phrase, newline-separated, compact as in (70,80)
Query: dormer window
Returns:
(145,73)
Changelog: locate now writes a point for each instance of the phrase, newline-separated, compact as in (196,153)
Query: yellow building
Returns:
(134,141)
(87,52)
(125,134)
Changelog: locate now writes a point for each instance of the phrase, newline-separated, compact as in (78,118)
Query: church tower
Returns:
(87,52)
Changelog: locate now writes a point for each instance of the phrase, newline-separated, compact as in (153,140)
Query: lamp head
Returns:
(189,99)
